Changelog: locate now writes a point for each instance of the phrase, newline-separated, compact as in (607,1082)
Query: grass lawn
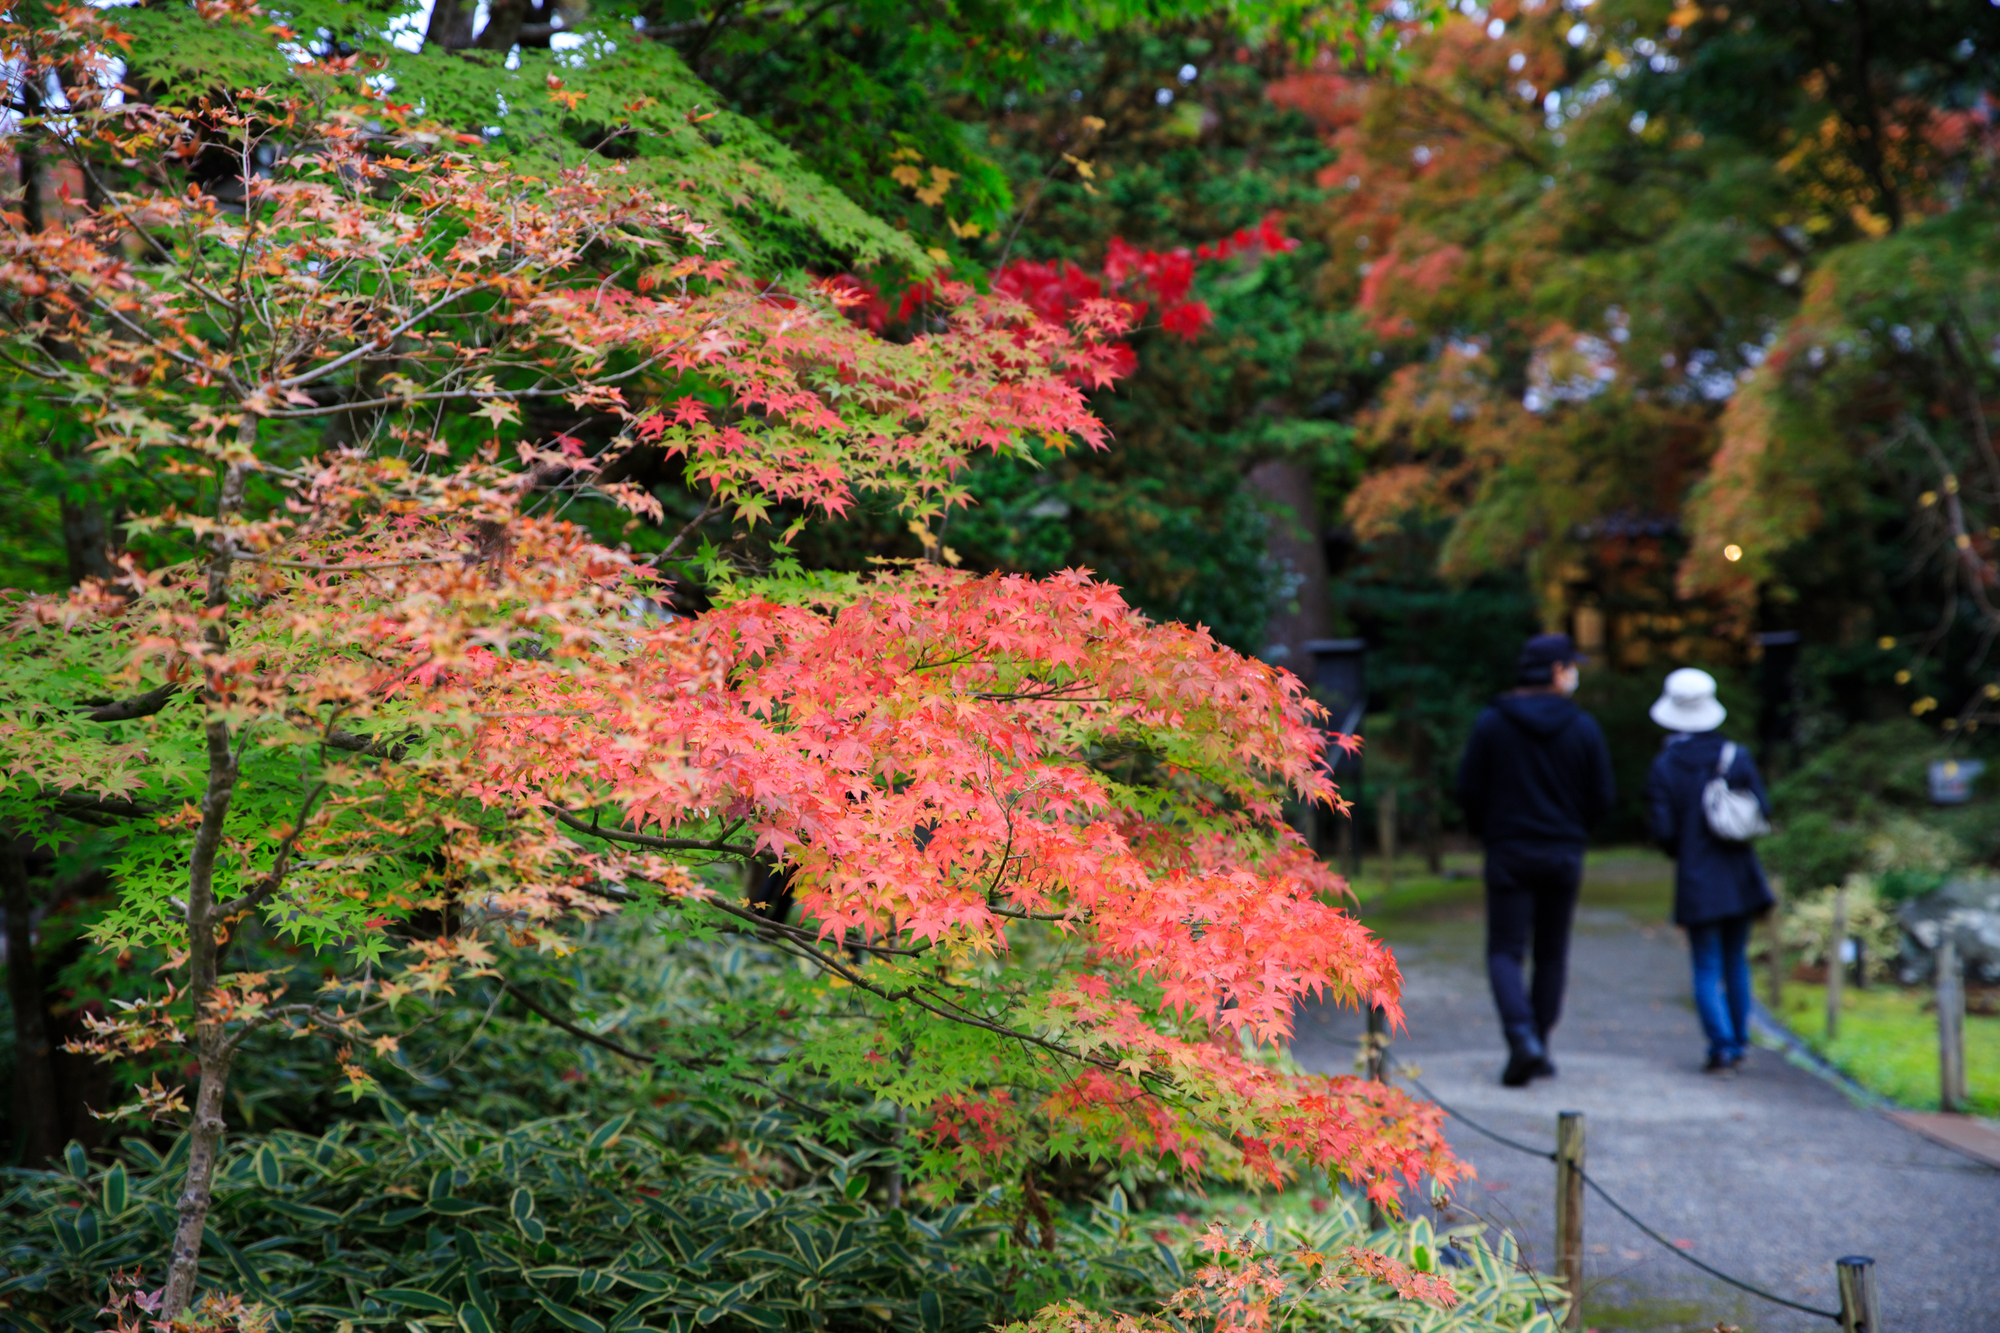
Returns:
(1634,880)
(1888,1044)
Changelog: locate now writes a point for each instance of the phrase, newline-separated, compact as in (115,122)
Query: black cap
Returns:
(1539,656)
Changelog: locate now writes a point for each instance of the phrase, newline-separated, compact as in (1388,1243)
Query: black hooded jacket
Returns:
(1535,771)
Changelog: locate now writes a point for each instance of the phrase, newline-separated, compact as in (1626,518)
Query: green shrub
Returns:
(1862,804)
(447,1224)
(1811,849)
(1808,926)
(556,1224)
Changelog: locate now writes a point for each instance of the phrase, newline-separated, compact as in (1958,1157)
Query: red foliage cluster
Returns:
(1165,277)
(1056,290)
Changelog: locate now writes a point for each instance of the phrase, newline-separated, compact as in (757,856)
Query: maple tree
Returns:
(362,681)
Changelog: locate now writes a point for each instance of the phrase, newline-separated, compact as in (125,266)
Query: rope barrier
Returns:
(1605,1195)
(1468,1121)
(1712,1271)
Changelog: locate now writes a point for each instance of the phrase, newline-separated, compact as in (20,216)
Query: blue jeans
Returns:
(1722,984)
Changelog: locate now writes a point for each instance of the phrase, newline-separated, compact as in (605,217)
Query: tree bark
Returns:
(86,534)
(28,156)
(212,1046)
(504,19)
(40,1116)
(451,25)
(1294,542)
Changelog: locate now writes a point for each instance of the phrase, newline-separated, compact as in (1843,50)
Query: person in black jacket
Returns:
(1719,886)
(1536,775)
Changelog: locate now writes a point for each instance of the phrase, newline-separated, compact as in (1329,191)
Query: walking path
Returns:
(1770,1176)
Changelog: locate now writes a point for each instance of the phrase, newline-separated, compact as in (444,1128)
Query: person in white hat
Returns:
(1719,885)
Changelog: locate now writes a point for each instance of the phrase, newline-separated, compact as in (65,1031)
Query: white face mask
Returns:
(1568,678)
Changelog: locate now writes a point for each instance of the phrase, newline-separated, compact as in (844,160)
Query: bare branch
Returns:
(383,341)
(648,840)
(581,1034)
(142,705)
(274,879)
(82,806)
(373,747)
(321,568)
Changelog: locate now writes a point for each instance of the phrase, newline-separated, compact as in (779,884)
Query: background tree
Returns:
(1586,235)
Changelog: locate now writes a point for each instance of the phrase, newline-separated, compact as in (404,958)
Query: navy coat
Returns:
(1713,879)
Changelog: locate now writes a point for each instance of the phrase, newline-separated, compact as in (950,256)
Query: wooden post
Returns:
(1860,1302)
(1353,844)
(1951,1025)
(1775,983)
(1569,1211)
(1378,1072)
(1836,938)
(1385,831)
(1378,1045)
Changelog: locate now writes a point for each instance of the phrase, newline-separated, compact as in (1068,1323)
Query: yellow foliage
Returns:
(933,194)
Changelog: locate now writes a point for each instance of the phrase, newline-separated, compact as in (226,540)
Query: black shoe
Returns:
(1722,1066)
(1525,1060)
(1547,1068)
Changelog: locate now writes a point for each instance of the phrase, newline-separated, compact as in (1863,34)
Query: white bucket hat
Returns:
(1688,702)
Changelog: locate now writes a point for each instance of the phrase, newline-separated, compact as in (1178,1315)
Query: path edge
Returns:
(1765,1024)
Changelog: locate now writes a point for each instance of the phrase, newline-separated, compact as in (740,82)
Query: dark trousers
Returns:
(1530,898)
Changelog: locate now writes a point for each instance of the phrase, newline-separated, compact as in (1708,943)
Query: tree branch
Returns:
(648,840)
(275,878)
(373,747)
(142,705)
(582,1034)
(80,805)
(638,1057)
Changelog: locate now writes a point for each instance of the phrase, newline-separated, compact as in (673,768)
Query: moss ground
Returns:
(1888,1044)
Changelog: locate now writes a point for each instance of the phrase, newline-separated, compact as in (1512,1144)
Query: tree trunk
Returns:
(212,1048)
(1295,546)
(451,25)
(1425,765)
(28,156)
(39,1121)
(503,24)
(86,534)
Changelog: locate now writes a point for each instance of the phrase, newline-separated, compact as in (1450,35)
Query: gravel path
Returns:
(1770,1175)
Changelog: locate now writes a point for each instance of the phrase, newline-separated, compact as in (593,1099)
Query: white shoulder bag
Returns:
(1733,816)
